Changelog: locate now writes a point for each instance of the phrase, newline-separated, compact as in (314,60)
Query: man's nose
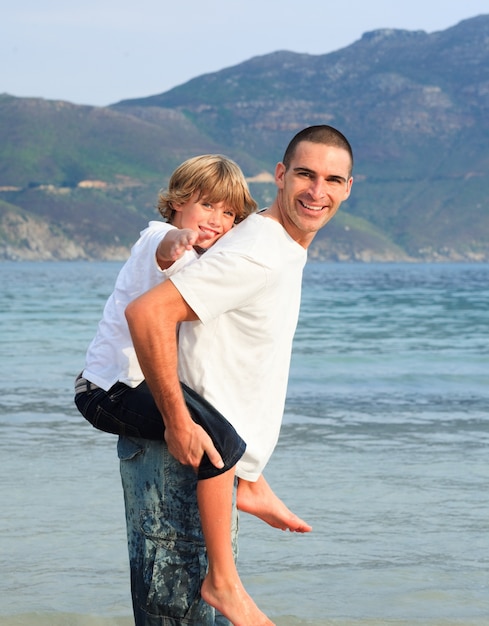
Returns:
(318,189)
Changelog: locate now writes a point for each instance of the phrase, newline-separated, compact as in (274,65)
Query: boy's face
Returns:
(210,219)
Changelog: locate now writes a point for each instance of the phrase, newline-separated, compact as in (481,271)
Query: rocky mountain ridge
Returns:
(83,181)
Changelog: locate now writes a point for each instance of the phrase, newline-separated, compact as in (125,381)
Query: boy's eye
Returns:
(230,213)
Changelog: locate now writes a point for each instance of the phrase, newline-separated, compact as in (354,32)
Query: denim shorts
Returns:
(132,412)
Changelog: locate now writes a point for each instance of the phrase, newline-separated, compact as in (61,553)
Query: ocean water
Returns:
(384,450)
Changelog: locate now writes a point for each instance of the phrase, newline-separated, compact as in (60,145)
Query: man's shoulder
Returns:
(255,224)
(261,232)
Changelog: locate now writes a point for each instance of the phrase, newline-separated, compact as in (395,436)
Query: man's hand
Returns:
(189,444)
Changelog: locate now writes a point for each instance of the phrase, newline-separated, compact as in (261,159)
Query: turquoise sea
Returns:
(384,450)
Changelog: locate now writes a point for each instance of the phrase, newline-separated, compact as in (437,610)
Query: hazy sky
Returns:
(102,51)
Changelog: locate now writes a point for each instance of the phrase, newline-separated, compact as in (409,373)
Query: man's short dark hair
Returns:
(324,134)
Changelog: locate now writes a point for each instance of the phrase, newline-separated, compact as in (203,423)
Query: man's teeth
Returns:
(312,208)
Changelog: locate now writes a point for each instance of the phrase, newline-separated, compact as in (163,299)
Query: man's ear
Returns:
(279,175)
(348,187)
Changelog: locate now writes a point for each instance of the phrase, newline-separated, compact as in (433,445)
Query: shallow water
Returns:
(383,450)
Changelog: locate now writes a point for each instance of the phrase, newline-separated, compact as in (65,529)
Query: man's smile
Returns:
(311,207)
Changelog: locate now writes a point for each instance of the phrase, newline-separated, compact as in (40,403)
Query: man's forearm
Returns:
(153,320)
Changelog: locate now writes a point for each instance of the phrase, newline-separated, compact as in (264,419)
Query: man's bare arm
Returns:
(153,320)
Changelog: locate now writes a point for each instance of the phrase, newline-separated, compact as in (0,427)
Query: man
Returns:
(240,304)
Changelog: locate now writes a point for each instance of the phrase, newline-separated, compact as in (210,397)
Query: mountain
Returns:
(414,105)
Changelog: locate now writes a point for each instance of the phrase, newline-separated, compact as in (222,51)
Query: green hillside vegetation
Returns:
(61,143)
(414,105)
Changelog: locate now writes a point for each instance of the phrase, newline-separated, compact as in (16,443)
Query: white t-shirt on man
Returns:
(246,291)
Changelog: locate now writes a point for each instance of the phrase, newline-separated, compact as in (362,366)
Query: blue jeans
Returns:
(166,548)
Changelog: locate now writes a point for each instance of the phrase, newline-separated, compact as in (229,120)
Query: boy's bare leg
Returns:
(222,587)
(259,499)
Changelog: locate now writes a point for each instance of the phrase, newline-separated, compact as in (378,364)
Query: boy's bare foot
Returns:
(232,600)
(258,499)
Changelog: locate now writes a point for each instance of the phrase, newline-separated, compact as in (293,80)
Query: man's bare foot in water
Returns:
(258,499)
(231,599)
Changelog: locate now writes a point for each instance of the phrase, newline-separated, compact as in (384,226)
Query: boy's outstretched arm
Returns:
(153,319)
(174,245)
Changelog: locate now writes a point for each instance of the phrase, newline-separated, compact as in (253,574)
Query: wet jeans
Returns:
(166,547)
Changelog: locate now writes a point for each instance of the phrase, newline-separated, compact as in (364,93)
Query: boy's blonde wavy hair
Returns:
(216,179)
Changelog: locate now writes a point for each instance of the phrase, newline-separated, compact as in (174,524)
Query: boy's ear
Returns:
(176,206)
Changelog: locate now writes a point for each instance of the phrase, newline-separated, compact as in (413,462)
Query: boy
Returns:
(206,196)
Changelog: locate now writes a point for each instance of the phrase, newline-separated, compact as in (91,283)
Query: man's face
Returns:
(312,189)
